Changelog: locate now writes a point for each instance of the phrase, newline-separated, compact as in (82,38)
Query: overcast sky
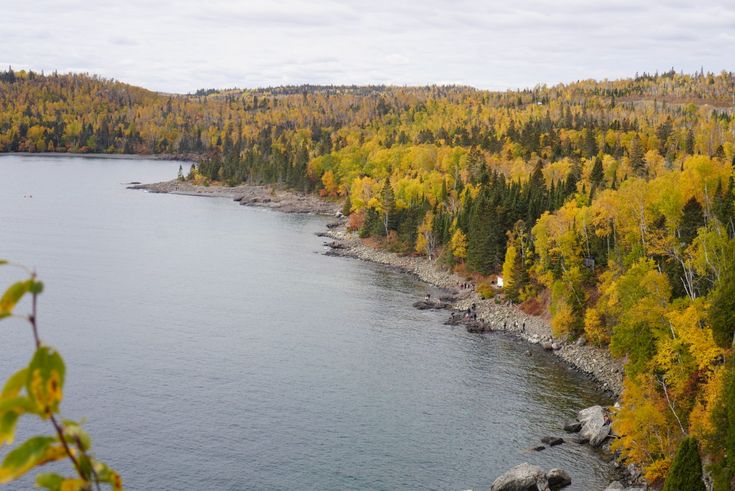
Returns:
(183,45)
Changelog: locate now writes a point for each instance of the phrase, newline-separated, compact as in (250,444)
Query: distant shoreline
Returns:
(283,200)
(112,156)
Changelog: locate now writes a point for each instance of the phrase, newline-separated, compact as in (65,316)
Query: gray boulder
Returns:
(523,477)
(592,419)
(600,436)
(595,425)
(615,486)
(558,478)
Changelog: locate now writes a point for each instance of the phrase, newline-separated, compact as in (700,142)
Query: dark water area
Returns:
(212,346)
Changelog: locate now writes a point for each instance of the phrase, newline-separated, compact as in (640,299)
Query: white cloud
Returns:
(183,45)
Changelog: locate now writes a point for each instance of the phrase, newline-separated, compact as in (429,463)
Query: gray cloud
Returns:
(182,45)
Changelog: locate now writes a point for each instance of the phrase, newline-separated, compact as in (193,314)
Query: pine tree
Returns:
(597,175)
(722,308)
(637,163)
(724,206)
(481,230)
(692,219)
(723,419)
(388,204)
(686,470)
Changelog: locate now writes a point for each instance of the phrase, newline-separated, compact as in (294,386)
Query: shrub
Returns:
(485,290)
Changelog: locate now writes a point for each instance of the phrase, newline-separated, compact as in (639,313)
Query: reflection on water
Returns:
(209,347)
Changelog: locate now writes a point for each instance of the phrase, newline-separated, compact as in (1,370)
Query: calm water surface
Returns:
(212,346)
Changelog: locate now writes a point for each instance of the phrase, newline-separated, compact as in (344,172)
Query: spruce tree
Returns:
(388,203)
(686,470)
(723,417)
(597,175)
(724,206)
(722,307)
(636,154)
(692,219)
(479,247)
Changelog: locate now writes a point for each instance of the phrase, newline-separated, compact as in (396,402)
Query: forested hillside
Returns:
(609,203)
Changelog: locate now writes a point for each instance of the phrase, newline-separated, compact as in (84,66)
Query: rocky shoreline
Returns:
(593,361)
(490,316)
(248,195)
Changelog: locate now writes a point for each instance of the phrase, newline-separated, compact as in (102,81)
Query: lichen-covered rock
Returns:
(523,477)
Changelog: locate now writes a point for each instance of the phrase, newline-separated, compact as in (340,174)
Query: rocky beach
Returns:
(594,361)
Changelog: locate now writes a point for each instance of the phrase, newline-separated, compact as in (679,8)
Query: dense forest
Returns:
(608,204)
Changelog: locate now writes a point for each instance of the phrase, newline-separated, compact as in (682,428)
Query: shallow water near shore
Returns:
(212,346)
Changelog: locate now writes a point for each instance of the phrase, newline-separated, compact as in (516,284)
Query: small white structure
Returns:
(499,281)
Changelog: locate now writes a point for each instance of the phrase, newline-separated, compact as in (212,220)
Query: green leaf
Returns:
(45,380)
(11,409)
(8,422)
(34,452)
(17,404)
(50,481)
(13,295)
(15,383)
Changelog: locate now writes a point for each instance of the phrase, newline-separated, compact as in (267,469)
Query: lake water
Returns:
(213,346)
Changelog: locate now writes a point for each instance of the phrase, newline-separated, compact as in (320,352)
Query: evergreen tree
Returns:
(589,143)
(388,205)
(692,219)
(723,419)
(635,153)
(724,206)
(597,175)
(480,228)
(722,307)
(686,470)
(517,261)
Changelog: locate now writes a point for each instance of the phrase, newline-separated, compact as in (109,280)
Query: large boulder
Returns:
(595,425)
(600,436)
(558,478)
(615,486)
(523,477)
